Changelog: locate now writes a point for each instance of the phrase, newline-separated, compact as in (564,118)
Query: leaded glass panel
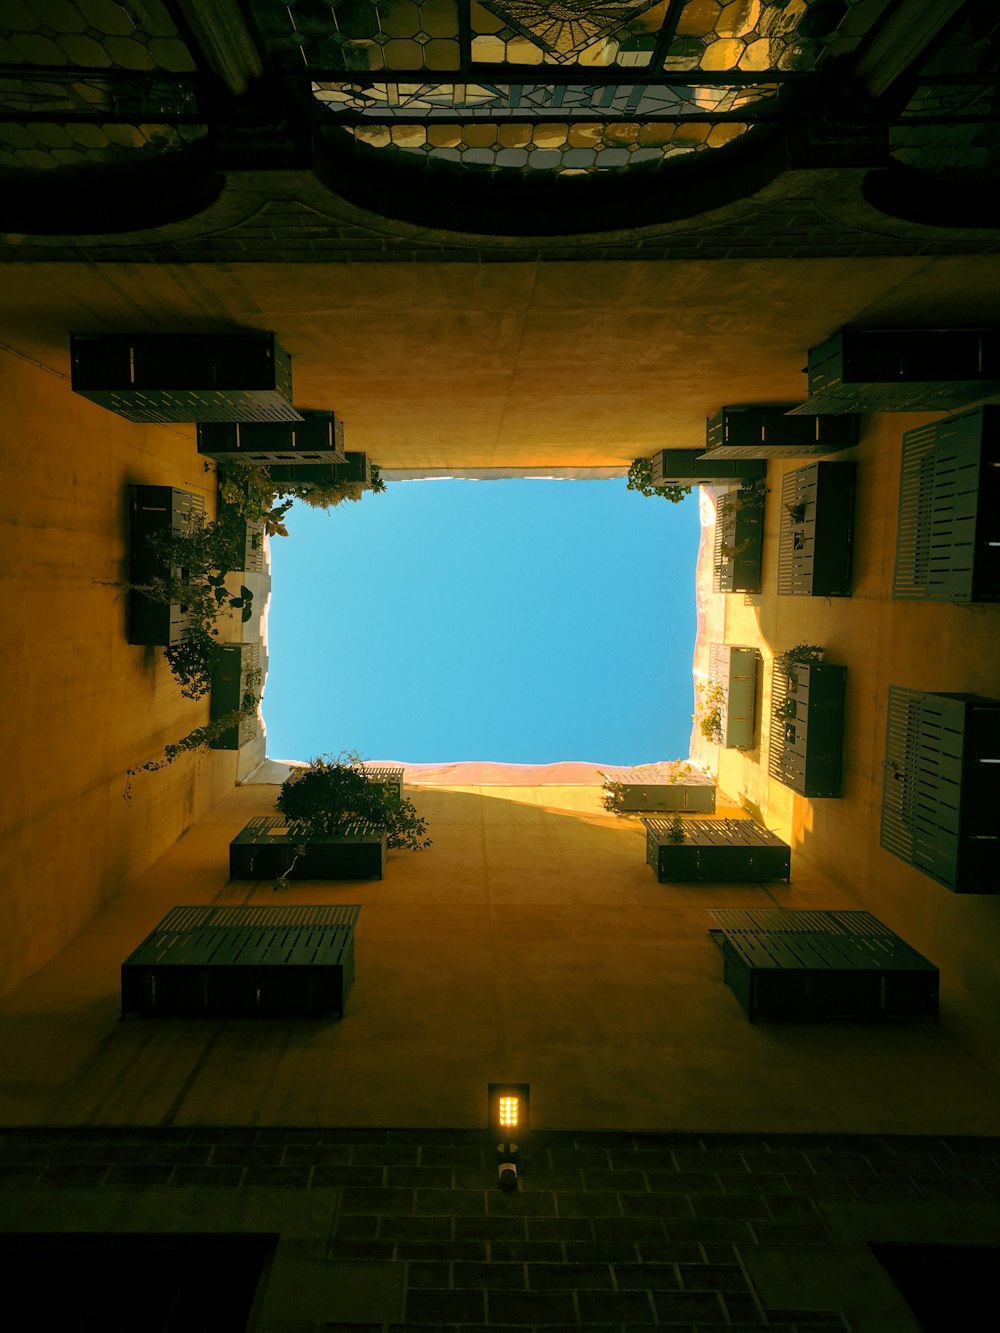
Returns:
(566,149)
(522,32)
(430,100)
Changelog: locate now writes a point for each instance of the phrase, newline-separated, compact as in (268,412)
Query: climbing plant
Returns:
(640,478)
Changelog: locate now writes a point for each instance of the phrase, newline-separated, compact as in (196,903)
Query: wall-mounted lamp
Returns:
(508,1120)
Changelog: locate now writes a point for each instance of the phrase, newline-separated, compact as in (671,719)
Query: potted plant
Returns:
(236,673)
(711,698)
(640,478)
(201,738)
(339,821)
(248,491)
(180,562)
(807,721)
(658,787)
(714,850)
(739,539)
(815,536)
(789,658)
(264,493)
(732,687)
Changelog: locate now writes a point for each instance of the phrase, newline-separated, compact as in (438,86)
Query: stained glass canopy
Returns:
(571,88)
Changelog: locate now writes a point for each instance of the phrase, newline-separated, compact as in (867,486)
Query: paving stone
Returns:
(707,1231)
(896,1191)
(953,1191)
(490,1228)
(498,1276)
(519,1252)
(356,1226)
(453,1156)
(709,1160)
(647,1277)
(612,1181)
(644,1159)
(384,1154)
(852,1165)
(365,1176)
(905,1165)
(445,1306)
(423,1251)
(569,1158)
(776,1163)
(210,1177)
(381,1251)
(628,1228)
(691,1182)
(732,1182)
(139,1175)
(742,1309)
(547,1180)
(225,1154)
(600,1252)
(360,1200)
(653,1252)
(419,1177)
(180,1155)
(614,1307)
(681,1306)
(712,1277)
(833,1186)
(792,1210)
(974,1165)
(587,1205)
(415,1228)
(560,1228)
(668,1206)
(518,1204)
(530,1307)
(423,1274)
(317,1154)
(807,1318)
(718,1254)
(277,1177)
(469,1203)
(244,1137)
(729,1205)
(571,1277)
(799,1233)
(19,1177)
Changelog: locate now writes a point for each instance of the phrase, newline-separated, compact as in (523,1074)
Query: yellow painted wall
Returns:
(511,365)
(531,942)
(80,705)
(920,645)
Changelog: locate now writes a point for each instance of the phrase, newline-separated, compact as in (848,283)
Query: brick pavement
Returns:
(608,1230)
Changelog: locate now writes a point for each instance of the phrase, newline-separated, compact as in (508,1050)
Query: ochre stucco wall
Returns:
(80,705)
(530,942)
(511,365)
(920,645)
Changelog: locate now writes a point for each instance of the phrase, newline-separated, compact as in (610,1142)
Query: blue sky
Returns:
(518,621)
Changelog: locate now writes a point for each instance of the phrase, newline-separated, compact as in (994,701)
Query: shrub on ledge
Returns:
(331,793)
